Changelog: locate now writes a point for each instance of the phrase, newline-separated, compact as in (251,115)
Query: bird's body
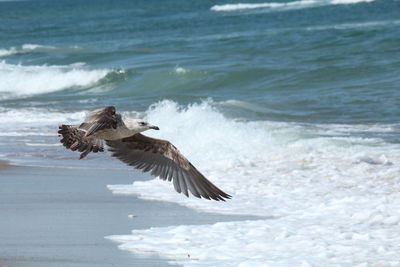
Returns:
(121,131)
(106,124)
(123,136)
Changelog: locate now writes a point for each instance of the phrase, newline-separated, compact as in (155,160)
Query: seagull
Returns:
(125,141)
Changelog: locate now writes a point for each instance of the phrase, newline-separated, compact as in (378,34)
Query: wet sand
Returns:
(60,216)
(4,165)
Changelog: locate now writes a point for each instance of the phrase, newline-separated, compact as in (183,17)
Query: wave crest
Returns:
(310,181)
(257,151)
(26,48)
(285,5)
(34,48)
(21,81)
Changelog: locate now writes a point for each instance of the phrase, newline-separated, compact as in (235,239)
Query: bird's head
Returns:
(139,125)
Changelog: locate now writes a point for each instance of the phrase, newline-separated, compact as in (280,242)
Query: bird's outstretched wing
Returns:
(99,119)
(161,158)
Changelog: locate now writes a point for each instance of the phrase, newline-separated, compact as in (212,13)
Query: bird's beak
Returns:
(154,127)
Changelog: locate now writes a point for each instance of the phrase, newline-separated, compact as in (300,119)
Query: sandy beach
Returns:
(60,216)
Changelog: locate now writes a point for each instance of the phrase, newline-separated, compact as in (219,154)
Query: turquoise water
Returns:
(315,62)
(306,63)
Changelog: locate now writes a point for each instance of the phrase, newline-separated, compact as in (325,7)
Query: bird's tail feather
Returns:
(74,139)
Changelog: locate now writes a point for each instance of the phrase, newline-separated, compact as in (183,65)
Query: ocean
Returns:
(292,107)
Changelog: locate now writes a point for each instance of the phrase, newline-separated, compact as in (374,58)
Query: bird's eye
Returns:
(142,123)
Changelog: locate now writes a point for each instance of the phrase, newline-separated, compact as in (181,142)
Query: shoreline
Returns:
(60,216)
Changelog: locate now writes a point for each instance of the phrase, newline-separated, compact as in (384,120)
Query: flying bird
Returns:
(125,141)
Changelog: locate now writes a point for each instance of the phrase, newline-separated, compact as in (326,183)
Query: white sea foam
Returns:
(181,70)
(348,2)
(38,116)
(35,121)
(7,52)
(26,48)
(284,5)
(42,144)
(20,81)
(328,199)
(26,132)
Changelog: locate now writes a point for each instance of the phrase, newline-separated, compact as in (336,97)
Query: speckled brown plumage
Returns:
(74,139)
(161,158)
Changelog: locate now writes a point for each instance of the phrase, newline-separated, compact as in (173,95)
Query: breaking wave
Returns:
(319,187)
(31,48)
(21,81)
(240,155)
(285,5)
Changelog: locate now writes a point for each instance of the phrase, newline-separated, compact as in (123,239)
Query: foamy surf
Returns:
(333,197)
(38,117)
(285,5)
(26,48)
(20,81)
(35,121)
(34,48)
(181,70)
